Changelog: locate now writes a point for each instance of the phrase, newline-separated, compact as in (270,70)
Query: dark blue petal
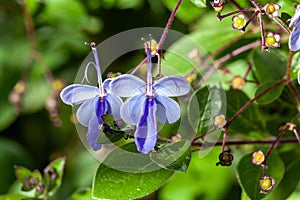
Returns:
(114,105)
(133,108)
(93,133)
(127,85)
(168,110)
(146,132)
(77,93)
(294,41)
(86,110)
(172,86)
(101,108)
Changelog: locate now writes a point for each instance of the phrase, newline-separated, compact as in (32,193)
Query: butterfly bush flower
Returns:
(149,102)
(95,102)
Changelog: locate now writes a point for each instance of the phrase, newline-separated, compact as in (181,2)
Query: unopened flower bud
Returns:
(220,121)
(237,83)
(218,5)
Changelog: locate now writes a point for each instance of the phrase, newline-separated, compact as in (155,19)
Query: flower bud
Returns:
(219,121)
(218,5)
(237,83)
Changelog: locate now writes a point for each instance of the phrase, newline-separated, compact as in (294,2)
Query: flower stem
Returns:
(170,21)
(220,17)
(244,107)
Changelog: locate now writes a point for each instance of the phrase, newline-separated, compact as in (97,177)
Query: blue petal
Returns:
(168,110)
(294,41)
(127,85)
(85,111)
(114,105)
(101,108)
(146,132)
(295,18)
(77,93)
(93,133)
(106,85)
(172,86)
(132,109)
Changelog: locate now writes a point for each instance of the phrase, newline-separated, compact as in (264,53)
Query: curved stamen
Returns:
(85,77)
(96,64)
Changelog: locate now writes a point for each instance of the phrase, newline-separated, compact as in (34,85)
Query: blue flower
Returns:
(149,102)
(95,102)
(294,41)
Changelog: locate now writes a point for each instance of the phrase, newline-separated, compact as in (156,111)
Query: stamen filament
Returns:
(98,68)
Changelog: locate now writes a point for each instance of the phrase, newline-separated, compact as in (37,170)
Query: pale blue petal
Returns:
(146,132)
(85,111)
(78,93)
(295,18)
(168,110)
(133,108)
(172,86)
(114,105)
(106,85)
(93,133)
(294,41)
(127,85)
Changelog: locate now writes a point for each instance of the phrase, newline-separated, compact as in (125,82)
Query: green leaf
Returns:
(249,174)
(199,3)
(53,175)
(81,194)
(13,197)
(247,121)
(270,96)
(187,11)
(112,132)
(291,178)
(174,156)
(128,175)
(204,105)
(269,66)
(202,180)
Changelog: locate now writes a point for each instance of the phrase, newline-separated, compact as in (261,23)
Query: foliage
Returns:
(237,133)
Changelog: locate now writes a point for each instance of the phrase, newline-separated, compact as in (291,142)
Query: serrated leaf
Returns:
(53,175)
(269,66)
(204,105)
(174,156)
(291,178)
(199,3)
(270,96)
(247,121)
(127,174)
(249,174)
